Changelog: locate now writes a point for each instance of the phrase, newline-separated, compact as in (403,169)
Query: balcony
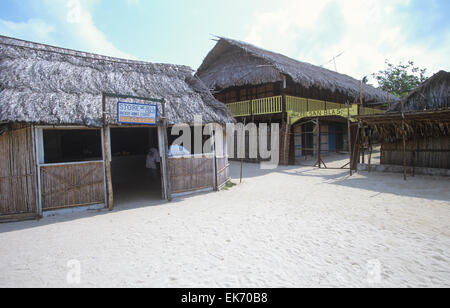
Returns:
(297,108)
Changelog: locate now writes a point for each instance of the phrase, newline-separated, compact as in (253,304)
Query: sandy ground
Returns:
(293,227)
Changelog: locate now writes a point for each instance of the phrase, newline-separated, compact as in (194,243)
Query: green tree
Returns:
(400,79)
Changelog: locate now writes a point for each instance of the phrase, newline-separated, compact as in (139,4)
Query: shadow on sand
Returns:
(424,187)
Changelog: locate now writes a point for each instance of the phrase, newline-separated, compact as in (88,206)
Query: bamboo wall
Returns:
(72,185)
(17,174)
(223,171)
(426,152)
(190,173)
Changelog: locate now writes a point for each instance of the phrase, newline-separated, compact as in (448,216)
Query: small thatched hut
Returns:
(63,144)
(416,131)
(262,86)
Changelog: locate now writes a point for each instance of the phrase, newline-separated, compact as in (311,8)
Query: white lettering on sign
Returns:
(134,113)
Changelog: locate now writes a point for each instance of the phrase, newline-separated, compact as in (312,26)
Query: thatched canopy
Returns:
(234,63)
(426,112)
(433,94)
(41,84)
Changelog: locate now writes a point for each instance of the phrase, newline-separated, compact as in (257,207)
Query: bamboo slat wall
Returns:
(17,173)
(223,171)
(431,152)
(190,173)
(72,185)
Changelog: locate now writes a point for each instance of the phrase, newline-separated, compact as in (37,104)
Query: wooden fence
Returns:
(17,175)
(425,152)
(190,173)
(72,185)
(223,171)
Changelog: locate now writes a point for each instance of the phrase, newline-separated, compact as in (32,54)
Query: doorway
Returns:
(308,139)
(133,182)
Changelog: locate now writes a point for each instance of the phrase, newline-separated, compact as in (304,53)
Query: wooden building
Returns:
(261,86)
(62,146)
(415,133)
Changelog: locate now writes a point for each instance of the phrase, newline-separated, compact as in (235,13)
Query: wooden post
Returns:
(370,154)
(404,155)
(109,187)
(166,151)
(319,145)
(404,140)
(285,123)
(363,150)
(242,159)
(349,137)
(215,171)
(416,149)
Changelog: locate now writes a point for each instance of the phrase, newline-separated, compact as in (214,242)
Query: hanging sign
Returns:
(134,113)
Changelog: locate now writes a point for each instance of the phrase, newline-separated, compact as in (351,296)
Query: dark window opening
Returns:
(133,141)
(67,146)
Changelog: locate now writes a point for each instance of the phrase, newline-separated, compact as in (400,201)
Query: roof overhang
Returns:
(442,115)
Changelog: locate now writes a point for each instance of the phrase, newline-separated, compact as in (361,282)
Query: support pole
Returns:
(404,140)
(349,137)
(166,152)
(370,153)
(318,146)
(416,148)
(215,175)
(109,187)
(242,159)
(363,148)
(404,156)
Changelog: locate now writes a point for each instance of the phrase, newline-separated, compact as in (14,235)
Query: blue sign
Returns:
(134,113)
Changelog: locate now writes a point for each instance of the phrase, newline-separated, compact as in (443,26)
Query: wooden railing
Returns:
(268,105)
(297,108)
(72,185)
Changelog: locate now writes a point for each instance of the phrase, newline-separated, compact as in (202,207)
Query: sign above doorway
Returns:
(135,113)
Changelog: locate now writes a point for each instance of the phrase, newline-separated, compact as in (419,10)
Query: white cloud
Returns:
(80,22)
(70,19)
(32,29)
(367,31)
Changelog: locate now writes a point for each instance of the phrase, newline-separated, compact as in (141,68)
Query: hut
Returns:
(307,101)
(75,129)
(415,133)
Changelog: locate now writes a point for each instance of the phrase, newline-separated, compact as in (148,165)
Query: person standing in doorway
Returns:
(151,162)
(157,158)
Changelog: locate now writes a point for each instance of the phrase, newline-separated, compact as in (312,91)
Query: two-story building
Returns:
(261,86)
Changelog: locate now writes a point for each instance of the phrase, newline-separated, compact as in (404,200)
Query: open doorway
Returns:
(133,182)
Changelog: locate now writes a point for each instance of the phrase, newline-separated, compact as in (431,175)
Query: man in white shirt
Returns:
(151,162)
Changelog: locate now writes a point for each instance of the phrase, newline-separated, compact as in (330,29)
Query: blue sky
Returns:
(180,31)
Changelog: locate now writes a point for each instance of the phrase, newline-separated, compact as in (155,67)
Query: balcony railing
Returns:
(297,108)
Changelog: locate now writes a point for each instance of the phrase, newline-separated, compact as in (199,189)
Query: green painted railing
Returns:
(297,108)
(268,105)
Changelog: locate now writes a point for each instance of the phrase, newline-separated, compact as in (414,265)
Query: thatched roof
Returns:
(41,84)
(234,63)
(433,94)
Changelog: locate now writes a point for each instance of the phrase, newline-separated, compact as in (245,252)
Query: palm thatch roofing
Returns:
(233,63)
(433,94)
(425,112)
(41,84)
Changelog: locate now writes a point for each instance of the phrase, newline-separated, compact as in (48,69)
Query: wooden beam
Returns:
(109,186)
(349,138)
(166,152)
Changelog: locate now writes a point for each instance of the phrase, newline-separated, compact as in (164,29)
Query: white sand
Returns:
(294,227)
